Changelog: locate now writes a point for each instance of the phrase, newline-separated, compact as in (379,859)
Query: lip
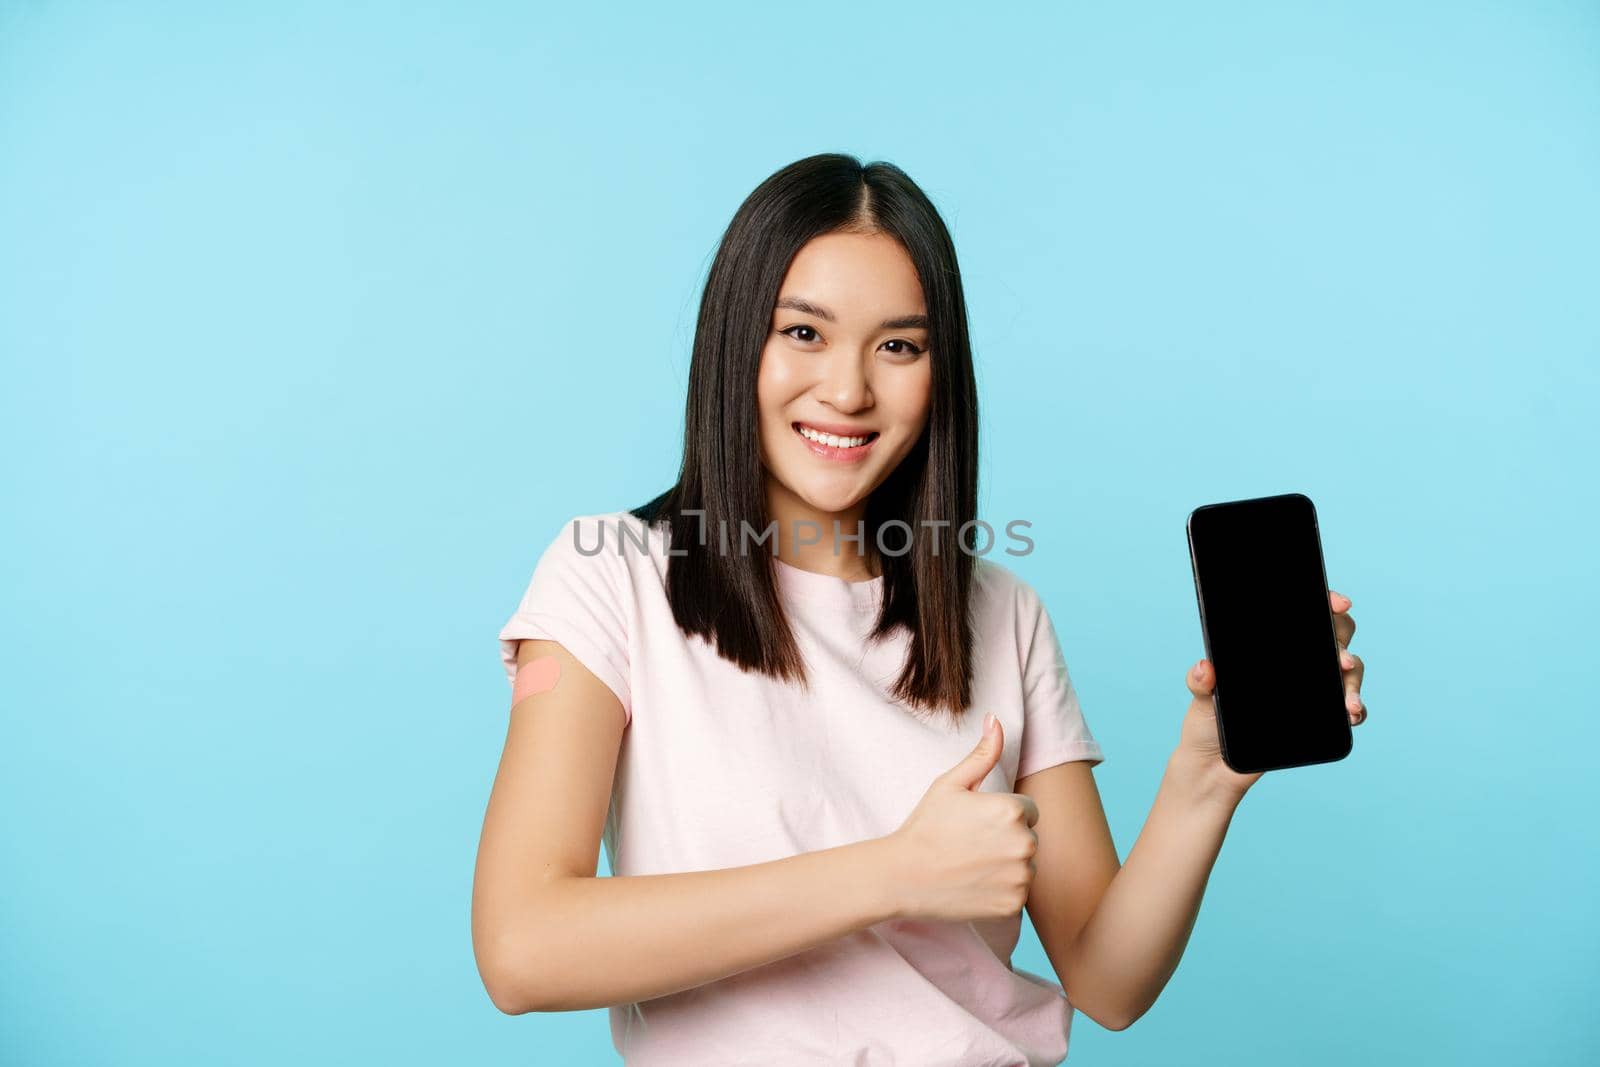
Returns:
(829,452)
(838,429)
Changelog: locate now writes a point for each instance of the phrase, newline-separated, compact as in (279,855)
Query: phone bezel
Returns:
(1205,629)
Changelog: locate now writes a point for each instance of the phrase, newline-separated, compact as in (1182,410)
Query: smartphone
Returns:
(1267,623)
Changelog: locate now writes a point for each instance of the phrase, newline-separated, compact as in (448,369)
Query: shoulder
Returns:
(600,533)
(1006,610)
(617,545)
(998,588)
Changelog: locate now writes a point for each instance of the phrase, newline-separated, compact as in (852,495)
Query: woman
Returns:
(832,751)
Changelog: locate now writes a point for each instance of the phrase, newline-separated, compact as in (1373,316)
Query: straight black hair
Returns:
(731,598)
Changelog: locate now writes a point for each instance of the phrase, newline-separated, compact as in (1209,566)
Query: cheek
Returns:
(772,396)
(909,396)
(777,382)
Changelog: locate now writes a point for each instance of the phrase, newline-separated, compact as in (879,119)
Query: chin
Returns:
(832,502)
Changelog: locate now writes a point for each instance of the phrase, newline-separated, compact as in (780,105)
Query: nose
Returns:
(844,384)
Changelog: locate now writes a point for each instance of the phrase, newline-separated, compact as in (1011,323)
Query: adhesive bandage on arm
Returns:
(538,675)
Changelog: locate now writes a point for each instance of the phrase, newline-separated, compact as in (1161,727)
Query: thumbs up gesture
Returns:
(965,854)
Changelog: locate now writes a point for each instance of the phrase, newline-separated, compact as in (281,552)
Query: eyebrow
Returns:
(806,307)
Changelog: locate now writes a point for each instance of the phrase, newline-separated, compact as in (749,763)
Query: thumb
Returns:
(981,760)
(1202,680)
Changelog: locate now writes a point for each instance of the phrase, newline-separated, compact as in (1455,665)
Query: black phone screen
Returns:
(1262,589)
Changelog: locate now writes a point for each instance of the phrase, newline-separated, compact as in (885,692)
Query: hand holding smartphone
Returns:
(1262,589)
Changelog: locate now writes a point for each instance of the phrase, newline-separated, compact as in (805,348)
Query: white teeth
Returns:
(832,439)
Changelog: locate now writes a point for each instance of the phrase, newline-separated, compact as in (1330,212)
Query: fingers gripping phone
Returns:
(1262,588)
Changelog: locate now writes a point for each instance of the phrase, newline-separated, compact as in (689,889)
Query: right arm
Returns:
(549,935)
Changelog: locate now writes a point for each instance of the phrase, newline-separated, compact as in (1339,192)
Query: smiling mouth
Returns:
(833,446)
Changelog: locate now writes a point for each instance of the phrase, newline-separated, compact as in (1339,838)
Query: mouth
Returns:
(835,447)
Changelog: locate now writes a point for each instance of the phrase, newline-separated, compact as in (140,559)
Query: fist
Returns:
(962,853)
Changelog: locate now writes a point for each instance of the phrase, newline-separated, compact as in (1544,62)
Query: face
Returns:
(846,360)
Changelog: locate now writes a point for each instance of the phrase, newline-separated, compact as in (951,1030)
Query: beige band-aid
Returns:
(535,676)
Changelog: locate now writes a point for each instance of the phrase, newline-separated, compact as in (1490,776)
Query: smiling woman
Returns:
(835,390)
(834,309)
(847,386)
(802,760)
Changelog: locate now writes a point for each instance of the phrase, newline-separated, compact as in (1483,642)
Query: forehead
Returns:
(855,275)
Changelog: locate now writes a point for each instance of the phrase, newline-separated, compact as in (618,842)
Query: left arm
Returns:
(1115,933)
(1114,961)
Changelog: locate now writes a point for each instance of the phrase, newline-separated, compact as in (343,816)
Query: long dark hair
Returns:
(731,598)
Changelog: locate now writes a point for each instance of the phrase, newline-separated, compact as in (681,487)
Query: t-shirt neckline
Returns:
(828,588)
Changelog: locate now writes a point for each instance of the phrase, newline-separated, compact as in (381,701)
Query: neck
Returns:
(806,536)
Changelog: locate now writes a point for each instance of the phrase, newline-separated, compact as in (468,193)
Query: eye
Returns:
(799,326)
(907,349)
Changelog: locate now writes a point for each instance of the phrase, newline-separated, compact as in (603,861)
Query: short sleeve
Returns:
(1053,727)
(575,598)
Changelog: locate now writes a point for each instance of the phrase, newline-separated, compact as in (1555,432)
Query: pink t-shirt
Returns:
(721,768)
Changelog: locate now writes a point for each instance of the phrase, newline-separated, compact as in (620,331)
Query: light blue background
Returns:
(316,324)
